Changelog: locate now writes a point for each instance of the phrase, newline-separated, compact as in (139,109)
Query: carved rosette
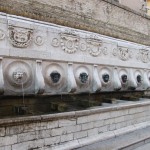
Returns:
(55,42)
(69,42)
(20,37)
(19,73)
(123,53)
(94,46)
(144,55)
(39,40)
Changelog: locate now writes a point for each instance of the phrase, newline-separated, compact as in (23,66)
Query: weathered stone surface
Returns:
(97,16)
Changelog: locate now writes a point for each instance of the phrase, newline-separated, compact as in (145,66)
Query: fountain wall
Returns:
(43,58)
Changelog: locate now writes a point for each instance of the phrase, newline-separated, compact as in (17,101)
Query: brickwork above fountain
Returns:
(50,59)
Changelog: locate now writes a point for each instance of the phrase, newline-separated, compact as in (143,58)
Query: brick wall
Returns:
(73,129)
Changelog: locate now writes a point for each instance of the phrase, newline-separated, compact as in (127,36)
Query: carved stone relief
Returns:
(144,55)
(105,76)
(20,37)
(123,75)
(124,78)
(19,73)
(55,42)
(105,51)
(69,42)
(138,77)
(83,47)
(82,76)
(39,79)
(94,46)
(39,40)
(1,77)
(54,75)
(123,53)
(2,34)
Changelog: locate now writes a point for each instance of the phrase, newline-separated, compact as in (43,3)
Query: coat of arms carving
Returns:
(20,37)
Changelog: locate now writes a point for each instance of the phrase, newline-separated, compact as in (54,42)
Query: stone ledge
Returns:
(73,114)
(105,136)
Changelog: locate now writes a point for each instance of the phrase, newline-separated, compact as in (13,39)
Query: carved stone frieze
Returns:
(20,37)
(94,46)
(69,42)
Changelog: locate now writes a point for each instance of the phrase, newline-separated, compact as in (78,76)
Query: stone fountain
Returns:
(49,59)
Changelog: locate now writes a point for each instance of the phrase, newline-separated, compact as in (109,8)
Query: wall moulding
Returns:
(40,40)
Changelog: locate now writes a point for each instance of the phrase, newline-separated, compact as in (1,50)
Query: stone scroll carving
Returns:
(132,84)
(69,42)
(146,82)
(72,85)
(2,34)
(116,81)
(1,77)
(20,37)
(39,80)
(97,85)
